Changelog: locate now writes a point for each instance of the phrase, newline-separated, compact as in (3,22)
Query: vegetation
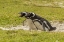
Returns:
(27,36)
(9,10)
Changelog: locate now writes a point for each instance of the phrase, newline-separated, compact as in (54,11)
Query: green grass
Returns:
(9,10)
(27,36)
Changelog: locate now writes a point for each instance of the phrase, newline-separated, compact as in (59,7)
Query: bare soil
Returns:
(59,27)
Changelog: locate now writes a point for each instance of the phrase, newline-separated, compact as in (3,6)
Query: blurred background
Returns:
(52,10)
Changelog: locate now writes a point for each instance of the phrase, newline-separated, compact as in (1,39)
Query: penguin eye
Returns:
(31,14)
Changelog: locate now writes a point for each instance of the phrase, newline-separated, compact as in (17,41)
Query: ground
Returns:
(59,27)
(52,10)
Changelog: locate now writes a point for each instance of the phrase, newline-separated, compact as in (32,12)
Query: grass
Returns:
(9,10)
(27,36)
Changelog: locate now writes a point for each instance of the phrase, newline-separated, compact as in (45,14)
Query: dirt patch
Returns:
(59,27)
(19,27)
